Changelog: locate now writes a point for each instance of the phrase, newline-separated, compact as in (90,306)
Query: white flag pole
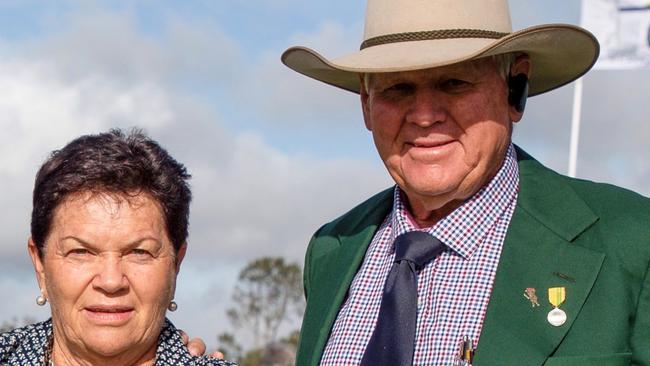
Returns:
(577,111)
(575,128)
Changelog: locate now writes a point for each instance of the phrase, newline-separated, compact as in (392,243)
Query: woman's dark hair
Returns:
(113,163)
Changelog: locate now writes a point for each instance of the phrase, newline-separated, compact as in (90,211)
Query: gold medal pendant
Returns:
(556,296)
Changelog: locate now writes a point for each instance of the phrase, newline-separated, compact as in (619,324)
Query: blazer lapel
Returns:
(538,254)
(336,270)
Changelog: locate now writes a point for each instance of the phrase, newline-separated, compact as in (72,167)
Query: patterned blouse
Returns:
(30,346)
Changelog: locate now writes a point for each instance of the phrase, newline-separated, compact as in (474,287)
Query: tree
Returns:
(267,295)
(292,339)
(9,325)
(229,346)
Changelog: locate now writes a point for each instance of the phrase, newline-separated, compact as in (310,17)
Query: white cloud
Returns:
(40,112)
(286,98)
(268,203)
(110,43)
(251,199)
(331,38)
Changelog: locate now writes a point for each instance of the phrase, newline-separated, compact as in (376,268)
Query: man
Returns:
(479,255)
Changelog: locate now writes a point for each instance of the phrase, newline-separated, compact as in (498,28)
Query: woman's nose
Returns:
(110,276)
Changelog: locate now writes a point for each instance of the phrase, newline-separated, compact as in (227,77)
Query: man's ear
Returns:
(363,93)
(522,65)
(180,256)
(39,269)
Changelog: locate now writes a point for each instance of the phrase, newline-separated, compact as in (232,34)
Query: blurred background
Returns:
(273,154)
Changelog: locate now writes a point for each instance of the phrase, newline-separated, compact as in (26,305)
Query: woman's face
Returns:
(109,273)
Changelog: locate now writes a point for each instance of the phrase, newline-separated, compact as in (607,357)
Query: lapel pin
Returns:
(529,293)
(556,296)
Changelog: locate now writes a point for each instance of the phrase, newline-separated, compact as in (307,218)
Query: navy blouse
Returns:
(30,346)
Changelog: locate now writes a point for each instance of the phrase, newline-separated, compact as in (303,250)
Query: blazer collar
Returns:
(538,253)
(546,196)
(336,270)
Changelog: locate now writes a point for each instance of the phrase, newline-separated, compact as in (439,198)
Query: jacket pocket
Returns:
(615,359)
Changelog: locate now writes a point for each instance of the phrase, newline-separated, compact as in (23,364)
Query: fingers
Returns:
(196,346)
(185,337)
(216,354)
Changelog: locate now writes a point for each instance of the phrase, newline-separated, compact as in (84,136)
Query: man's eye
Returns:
(399,87)
(452,84)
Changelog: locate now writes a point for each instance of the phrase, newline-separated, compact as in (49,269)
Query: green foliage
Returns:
(273,354)
(9,325)
(292,338)
(268,294)
(229,346)
(252,358)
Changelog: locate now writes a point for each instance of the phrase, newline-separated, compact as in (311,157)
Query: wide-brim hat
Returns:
(404,35)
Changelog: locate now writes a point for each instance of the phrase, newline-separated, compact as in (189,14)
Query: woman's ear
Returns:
(37,262)
(180,256)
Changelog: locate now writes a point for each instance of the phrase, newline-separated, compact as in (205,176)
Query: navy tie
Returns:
(393,341)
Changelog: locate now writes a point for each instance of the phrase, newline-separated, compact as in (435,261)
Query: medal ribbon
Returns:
(556,296)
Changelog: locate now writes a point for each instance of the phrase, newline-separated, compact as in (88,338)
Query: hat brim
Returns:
(560,53)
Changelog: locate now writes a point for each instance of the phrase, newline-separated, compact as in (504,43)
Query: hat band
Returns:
(431,35)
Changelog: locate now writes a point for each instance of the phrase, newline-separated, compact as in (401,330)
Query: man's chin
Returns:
(433,197)
(433,183)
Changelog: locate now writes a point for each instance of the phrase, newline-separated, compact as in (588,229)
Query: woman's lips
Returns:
(109,315)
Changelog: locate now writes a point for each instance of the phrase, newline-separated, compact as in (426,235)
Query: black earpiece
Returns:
(518,91)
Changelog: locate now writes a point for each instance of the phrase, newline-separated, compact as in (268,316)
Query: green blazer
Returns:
(593,239)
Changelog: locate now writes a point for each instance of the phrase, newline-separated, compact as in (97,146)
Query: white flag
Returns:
(623,30)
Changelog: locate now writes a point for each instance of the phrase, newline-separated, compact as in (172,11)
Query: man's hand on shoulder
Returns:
(196,346)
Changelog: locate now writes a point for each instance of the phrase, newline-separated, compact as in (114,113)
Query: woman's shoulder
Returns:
(26,345)
(172,351)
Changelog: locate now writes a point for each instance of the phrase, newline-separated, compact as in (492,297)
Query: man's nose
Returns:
(428,108)
(110,276)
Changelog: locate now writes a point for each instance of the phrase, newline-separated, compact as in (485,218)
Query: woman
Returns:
(108,235)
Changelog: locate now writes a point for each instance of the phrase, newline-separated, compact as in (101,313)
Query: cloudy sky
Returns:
(273,154)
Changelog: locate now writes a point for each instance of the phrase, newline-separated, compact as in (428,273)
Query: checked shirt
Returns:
(453,290)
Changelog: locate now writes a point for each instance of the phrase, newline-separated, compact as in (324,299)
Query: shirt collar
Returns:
(465,228)
(35,347)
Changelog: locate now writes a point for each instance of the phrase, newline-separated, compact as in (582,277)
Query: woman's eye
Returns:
(140,253)
(78,252)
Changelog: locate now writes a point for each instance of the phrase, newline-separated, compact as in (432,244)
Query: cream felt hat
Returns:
(402,35)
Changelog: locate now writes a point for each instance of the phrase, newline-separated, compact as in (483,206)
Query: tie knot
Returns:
(417,247)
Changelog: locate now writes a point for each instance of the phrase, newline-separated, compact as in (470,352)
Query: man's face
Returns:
(441,132)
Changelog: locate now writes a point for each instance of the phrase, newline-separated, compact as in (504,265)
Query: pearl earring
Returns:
(41,300)
(173,306)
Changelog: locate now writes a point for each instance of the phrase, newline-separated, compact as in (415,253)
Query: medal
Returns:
(556,296)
